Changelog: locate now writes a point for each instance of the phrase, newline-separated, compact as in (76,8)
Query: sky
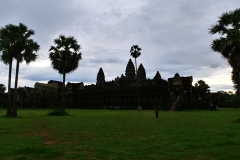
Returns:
(173,35)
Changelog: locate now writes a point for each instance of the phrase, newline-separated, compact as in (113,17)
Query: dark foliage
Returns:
(228,44)
(202,87)
(2,88)
(58,112)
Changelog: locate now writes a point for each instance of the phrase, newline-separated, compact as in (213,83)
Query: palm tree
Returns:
(6,42)
(228,45)
(135,53)
(25,49)
(16,43)
(65,57)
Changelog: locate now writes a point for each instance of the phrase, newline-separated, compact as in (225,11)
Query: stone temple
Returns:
(127,91)
(123,93)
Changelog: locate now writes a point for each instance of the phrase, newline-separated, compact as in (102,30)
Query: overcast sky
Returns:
(173,36)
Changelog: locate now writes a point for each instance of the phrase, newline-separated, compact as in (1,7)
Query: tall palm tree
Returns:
(8,41)
(25,49)
(7,56)
(135,53)
(228,44)
(16,43)
(65,57)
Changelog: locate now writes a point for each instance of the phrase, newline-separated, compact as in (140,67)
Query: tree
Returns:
(65,57)
(228,45)
(18,44)
(2,88)
(6,48)
(202,89)
(135,53)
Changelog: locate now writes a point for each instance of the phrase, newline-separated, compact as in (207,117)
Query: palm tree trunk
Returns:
(14,107)
(63,93)
(9,89)
(136,65)
(137,86)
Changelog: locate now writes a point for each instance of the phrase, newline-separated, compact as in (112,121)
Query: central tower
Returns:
(130,71)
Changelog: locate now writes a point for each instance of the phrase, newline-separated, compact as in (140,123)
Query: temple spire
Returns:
(141,73)
(130,70)
(157,77)
(100,77)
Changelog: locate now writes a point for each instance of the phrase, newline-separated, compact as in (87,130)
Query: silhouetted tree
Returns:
(7,55)
(2,88)
(65,57)
(21,47)
(202,89)
(228,44)
(2,91)
(135,53)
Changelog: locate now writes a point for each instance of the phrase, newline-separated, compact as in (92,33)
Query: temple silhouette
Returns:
(127,91)
(176,93)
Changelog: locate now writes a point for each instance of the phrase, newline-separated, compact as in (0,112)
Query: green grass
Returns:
(121,134)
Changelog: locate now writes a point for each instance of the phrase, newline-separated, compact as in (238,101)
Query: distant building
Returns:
(121,93)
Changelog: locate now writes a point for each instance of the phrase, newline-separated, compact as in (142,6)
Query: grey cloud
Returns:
(39,77)
(108,60)
(173,35)
(215,88)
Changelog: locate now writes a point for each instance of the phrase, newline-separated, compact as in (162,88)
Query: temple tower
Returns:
(100,77)
(130,70)
(141,73)
(157,77)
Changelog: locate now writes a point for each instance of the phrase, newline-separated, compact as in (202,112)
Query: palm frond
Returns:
(135,51)
(64,54)
(228,45)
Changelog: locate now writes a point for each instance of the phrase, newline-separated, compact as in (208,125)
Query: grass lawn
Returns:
(121,134)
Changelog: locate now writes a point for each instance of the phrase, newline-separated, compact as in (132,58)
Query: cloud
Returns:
(173,36)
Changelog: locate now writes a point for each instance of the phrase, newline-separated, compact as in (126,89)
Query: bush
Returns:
(58,112)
